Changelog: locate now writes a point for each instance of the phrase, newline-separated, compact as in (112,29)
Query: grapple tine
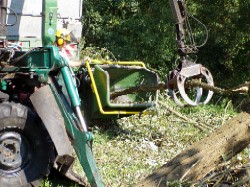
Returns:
(206,73)
(177,82)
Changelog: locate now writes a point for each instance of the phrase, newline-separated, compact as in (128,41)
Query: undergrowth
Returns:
(128,149)
(134,147)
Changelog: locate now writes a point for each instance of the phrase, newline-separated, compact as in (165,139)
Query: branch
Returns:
(240,89)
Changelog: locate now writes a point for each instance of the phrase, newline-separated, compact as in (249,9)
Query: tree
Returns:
(144,30)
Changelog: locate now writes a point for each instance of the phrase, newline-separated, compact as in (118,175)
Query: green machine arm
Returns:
(54,98)
(82,138)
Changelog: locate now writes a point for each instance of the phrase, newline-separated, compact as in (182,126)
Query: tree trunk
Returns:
(199,159)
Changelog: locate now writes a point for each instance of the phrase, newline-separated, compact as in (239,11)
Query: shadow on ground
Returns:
(58,180)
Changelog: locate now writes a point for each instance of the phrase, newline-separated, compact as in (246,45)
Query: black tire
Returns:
(26,151)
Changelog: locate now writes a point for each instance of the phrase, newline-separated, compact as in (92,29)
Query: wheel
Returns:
(26,151)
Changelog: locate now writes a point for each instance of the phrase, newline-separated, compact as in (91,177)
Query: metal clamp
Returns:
(177,79)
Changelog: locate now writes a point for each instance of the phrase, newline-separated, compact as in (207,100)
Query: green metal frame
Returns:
(42,62)
(49,21)
(82,141)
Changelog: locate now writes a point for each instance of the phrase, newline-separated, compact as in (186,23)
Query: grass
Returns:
(128,149)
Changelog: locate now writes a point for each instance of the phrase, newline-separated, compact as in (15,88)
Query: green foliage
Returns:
(227,50)
(98,53)
(144,30)
(132,30)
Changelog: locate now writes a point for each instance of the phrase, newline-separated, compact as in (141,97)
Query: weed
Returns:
(131,148)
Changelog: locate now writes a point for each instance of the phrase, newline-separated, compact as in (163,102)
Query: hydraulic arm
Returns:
(187,69)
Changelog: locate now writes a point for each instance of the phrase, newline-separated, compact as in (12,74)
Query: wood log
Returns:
(199,159)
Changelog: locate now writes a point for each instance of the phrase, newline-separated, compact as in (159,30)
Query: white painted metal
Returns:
(69,16)
(29,19)
(28,22)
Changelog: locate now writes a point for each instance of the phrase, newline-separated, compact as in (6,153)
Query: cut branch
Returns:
(241,89)
(202,126)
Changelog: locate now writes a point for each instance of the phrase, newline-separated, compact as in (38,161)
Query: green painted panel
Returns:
(50,22)
(111,78)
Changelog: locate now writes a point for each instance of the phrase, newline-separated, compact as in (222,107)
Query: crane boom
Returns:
(186,69)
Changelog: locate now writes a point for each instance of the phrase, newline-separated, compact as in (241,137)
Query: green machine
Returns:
(46,105)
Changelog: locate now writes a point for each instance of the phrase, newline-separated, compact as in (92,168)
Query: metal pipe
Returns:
(178,10)
(3,14)
(80,117)
(73,94)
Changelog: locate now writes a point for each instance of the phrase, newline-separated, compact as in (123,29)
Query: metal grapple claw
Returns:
(177,80)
